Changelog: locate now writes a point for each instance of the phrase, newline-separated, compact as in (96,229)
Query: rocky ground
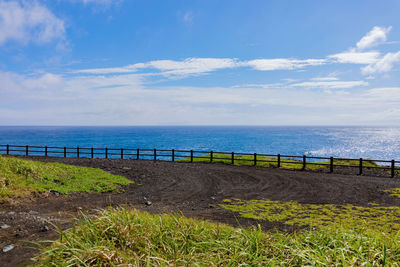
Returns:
(194,189)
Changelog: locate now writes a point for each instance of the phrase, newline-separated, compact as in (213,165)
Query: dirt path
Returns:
(192,188)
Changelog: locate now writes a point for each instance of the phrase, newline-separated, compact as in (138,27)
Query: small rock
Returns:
(44,228)
(148,203)
(11,213)
(8,248)
(213,198)
(55,193)
(32,212)
(126,168)
(4,226)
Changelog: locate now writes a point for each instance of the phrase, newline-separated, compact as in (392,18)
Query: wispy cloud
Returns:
(329,78)
(99,2)
(282,63)
(355,57)
(188,17)
(373,38)
(331,84)
(191,66)
(172,67)
(25,22)
(384,64)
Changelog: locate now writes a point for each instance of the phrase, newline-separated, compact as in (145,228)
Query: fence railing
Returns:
(205,156)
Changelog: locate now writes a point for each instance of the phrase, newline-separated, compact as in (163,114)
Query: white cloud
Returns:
(99,2)
(373,59)
(192,65)
(385,64)
(282,63)
(172,67)
(355,57)
(331,84)
(123,100)
(188,17)
(373,38)
(329,78)
(388,94)
(29,22)
(127,69)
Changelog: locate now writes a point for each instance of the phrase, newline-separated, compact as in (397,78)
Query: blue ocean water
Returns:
(351,142)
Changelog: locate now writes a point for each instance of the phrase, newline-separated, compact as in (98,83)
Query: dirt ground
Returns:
(194,189)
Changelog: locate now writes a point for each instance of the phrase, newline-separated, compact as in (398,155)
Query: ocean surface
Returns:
(350,142)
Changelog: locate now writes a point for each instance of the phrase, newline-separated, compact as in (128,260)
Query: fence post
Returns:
(191,155)
(27,150)
(122,153)
(233,158)
(211,156)
(279,160)
(173,154)
(155,154)
(65,152)
(255,159)
(91,152)
(137,153)
(106,153)
(45,151)
(331,165)
(304,163)
(361,166)
(392,169)
(8,149)
(77,152)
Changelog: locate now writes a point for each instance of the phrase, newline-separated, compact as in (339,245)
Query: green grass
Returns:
(273,162)
(22,178)
(120,237)
(377,219)
(394,192)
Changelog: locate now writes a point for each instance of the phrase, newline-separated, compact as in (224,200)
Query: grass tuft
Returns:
(121,237)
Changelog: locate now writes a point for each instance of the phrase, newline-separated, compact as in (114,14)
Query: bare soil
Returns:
(195,189)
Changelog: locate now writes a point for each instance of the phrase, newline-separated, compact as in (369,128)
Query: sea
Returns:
(347,142)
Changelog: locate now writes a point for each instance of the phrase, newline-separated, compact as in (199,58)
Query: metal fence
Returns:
(191,155)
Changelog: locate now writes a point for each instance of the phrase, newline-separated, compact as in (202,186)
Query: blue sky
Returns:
(126,62)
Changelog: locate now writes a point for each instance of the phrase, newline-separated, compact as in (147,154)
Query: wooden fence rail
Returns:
(191,155)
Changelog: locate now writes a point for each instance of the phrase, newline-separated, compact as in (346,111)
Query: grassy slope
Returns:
(21,178)
(289,163)
(121,237)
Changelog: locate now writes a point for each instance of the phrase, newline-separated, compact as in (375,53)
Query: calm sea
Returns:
(353,142)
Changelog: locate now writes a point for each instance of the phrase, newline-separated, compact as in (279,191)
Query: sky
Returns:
(199,62)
